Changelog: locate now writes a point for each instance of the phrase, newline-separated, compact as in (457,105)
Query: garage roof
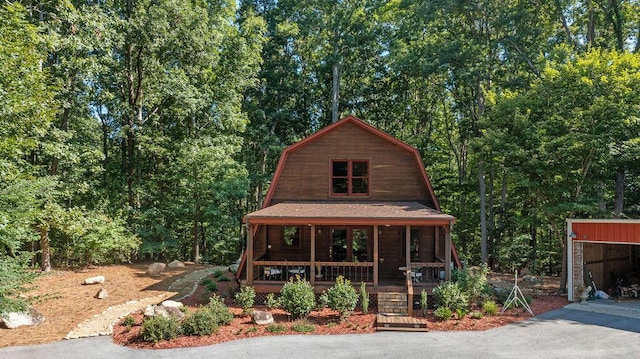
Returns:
(605,230)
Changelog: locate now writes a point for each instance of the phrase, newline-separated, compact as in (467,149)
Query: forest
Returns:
(146,129)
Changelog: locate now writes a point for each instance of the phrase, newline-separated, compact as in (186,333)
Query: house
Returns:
(604,252)
(354,201)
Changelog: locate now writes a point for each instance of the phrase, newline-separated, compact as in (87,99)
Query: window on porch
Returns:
(291,237)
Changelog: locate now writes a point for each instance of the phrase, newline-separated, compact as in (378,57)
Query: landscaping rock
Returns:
(102,293)
(155,269)
(168,308)
(176,264)
(261,317)
(94,280)
(17,319)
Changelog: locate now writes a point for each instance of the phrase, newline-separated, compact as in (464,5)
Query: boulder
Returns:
(176,264)
(260,317)
(102,293)
(155,269)
(94,280)
(168,308)
(17,319)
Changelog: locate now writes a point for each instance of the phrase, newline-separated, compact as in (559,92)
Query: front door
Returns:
(351,244)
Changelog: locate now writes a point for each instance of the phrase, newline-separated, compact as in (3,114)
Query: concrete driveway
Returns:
(563,333)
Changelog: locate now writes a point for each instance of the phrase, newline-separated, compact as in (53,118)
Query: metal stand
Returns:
(516,296)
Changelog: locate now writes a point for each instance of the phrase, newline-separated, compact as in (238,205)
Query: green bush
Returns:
(442,313)
(475,315)
(303,326)
(473,281)
(221,314)
(272,302)
(297,297)
(424,303)
(245,298)
(129,321)
(209,284)
(160,328)
(224,278)
(461,312)
(490,307)
(364,297)
(218,273)
(276,328)
(342,297)
(201,322)
(451,295)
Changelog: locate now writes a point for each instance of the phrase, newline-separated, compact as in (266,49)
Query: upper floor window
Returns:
(350,177)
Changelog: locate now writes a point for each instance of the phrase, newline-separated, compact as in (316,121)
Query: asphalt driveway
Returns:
(563,333)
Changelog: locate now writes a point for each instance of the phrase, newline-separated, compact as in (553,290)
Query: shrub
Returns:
(451,295)
(276,328)
(342,297)
(272,302)
(218,273)
(424,303)
(473,281)
(221,314)
(201,322)
(297,297)
(442,313)
(475,315)
(303,326)
(129,321)
(461,312)
(490,307)
(160,328)
(245,298)
(224,278)
(209,284)
(364,296)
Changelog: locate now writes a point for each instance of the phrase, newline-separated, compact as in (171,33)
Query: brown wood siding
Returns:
(394,175)
(607,262)
(427,244)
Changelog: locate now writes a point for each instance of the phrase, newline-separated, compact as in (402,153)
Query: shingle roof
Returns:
(349,213)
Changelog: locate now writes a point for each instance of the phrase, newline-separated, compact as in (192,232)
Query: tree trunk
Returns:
(196,236)
(483,213)
(619,201)
(45,260)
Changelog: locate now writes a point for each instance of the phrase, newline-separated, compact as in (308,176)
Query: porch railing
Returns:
(427,273)
(322,272)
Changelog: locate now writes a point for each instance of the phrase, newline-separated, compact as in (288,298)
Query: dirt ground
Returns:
(64,302)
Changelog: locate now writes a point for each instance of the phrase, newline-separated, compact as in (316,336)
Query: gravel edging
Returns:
(102,323)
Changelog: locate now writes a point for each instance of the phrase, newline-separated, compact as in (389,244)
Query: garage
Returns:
(608,249)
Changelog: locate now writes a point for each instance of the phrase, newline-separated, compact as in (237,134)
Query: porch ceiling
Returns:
(349,213)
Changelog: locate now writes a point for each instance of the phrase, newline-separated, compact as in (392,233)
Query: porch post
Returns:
(447,253)
(407,237)
(312,270)
(249,253)
(375,255)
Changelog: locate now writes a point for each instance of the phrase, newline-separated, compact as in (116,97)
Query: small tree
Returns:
(245,298)
(364,296)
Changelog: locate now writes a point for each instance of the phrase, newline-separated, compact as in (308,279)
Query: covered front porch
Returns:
(388,246)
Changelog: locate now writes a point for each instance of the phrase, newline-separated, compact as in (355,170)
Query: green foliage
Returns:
(424,303)
(475,315)
(515,253)
(220,313)
(129,321)
(473,281)
(277,328)
(461,313)
(272,302)
(303,326)
(451,295)
(442,313)
(490,307)
(297,297)
(209,284)
(245,298)
(343,297)
(14,276)
(160,328)
(364,298)
(224,278)
(218,273)
(201,322)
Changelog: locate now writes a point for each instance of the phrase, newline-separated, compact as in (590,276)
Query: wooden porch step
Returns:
(400,323)
(392,303)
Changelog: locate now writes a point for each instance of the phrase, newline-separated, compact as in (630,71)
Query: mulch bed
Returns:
(326,321)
